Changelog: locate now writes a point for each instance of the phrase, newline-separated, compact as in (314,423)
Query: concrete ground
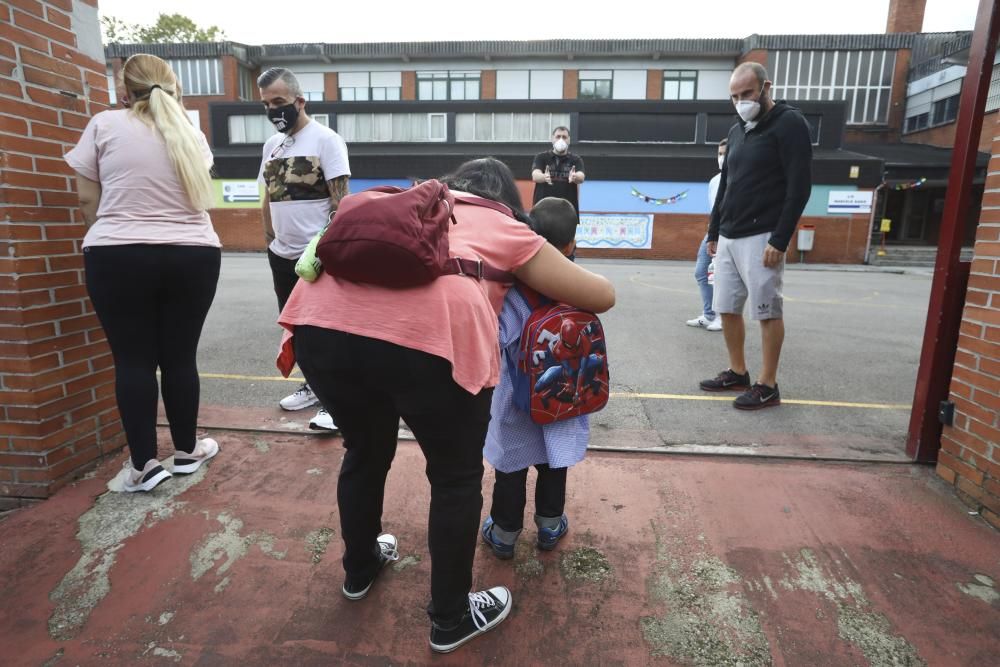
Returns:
(847,375)
(670,560)
(848,556)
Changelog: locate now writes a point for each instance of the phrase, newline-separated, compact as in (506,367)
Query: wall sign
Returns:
(849,201)
(615,231)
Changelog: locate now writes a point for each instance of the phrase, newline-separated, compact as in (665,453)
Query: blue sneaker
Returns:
(549,537)
(501,550)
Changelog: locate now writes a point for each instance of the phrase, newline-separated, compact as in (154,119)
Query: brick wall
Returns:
(409,91)
(944,135)
(57,404)
(571,83)
(970,450)
(488,84)
(654,84)
(905,15)
(331,86)
(837,240)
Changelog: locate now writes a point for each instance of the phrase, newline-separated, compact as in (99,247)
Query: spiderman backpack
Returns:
(562,365)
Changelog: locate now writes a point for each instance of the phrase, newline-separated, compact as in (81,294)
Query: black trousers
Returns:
(510,495)
(152,301)
(284,277)
(367,385)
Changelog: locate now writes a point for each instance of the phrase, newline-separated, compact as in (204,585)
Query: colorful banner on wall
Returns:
(615,231)
(659,202)
(909,186)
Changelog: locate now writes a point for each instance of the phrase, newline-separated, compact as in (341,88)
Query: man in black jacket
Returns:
(766,182)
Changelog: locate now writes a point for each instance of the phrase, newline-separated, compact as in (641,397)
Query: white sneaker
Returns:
(301,399)
(700,321)
(322,422)
(143,480)
(716,324)
(404,432)
(186,463)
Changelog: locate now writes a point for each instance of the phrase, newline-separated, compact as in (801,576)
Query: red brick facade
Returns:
(970,450)
(837,241)
(905,15)
(57,402)
(944,135)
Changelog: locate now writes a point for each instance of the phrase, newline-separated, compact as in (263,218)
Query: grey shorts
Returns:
(740,274)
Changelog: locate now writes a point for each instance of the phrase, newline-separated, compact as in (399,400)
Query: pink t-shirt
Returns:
(454,317)
(142,200)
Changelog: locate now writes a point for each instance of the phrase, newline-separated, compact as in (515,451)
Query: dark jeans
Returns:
(152,301)
(367,385)
(284,277)
(509,495)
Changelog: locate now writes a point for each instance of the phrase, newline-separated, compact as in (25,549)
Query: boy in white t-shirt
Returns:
(305,172)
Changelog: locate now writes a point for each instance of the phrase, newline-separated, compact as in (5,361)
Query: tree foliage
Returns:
(168,28)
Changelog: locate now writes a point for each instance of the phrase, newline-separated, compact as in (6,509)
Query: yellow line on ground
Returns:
(256,378)
(792,401)
(618,394)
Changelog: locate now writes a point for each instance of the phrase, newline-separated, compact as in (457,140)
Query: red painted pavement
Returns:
(710,560)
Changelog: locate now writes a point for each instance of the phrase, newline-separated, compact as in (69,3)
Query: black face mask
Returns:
(284,118)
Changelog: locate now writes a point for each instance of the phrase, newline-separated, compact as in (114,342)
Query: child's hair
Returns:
(555,220)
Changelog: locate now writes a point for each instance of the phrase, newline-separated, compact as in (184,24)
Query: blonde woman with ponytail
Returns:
(152,261)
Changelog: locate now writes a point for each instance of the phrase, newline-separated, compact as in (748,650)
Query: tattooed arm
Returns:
(339,188)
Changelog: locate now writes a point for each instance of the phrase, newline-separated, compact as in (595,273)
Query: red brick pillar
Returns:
(57,404)
(571,83)
(970,450)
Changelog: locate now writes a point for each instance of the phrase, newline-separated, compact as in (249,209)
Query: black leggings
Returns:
(152,301)
(367,384)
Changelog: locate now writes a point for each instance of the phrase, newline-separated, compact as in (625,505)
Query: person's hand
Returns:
(772,256)
(548,176)
(572,175)
(712,247)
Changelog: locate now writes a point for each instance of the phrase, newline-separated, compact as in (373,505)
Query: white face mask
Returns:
(560,145)
(722,158)
(748,109)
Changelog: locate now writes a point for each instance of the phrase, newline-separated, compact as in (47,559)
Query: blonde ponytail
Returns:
(158,102)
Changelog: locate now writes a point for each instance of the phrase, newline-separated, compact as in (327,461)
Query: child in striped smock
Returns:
(514,443)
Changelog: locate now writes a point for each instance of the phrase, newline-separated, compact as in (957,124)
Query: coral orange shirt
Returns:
(454,317)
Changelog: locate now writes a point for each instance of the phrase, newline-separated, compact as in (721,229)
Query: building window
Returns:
(863,79)
(680,84)
(545,84)
(253,129)
(395,127)
(945,111)
(509,127)
(447,85)
(993,99)
(198,76)
(312,85)
(595,84)
(916,123)
(112,89)
(362,86)
(248,85)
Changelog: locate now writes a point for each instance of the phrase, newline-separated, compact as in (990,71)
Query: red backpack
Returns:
(562,369)
(397,237)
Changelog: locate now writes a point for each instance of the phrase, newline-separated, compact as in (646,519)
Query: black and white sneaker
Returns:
(486,610)
(727,380)
(388,552)
(302,398)
(758,396)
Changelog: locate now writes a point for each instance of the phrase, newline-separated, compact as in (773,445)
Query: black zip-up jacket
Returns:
(766,178)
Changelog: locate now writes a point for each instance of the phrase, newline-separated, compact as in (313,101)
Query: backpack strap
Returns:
(477,268)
